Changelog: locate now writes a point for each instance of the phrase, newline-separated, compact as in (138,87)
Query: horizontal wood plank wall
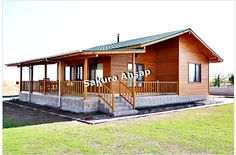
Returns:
(120,65)
(166,59)
(190,52)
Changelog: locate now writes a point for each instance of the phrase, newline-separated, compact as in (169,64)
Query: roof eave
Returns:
(60,57)
(219,59)
(208,47)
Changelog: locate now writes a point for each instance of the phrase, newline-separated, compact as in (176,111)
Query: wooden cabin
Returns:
(178,60)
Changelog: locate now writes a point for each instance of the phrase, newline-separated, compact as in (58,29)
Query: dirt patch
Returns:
(18,113)
(14,116)
(10,88)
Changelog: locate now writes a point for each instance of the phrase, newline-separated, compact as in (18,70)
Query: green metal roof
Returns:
(117,47)
(134,42)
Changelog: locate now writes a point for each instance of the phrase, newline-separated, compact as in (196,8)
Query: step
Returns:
(122,108)
(125,113)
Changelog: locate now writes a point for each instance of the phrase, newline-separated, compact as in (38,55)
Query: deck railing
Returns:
(92,90)
(25,85)
(107,94)
(76,88)
(52,87)
(127,93)
(36,86)
(156,87)
(73,88)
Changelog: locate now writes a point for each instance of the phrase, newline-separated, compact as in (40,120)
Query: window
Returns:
(130,71)
(194,72)
(140,67)
(96,70)
(99,71)
(69,73)
(79,72)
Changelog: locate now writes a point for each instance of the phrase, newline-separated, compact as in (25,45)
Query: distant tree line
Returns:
(219,79)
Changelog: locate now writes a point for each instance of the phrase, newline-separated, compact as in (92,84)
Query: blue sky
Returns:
(34,29)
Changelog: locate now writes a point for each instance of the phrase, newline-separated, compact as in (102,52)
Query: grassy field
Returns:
(207,130)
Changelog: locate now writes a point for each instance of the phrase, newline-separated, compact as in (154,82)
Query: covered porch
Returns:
(74,69)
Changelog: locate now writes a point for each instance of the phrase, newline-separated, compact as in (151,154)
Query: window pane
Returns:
(140,67)
(71,73)
(191,72)
(198,73)
(81,73)
(77,72)
(93,71)
(67,73)
(99,71)
(131,79)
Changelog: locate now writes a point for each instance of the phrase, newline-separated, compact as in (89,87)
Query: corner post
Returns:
(29,94)
(45,79)
(20,78)
(74,71)
(85,76)
(133,80)
(62,77)
(31,78)
(58,66)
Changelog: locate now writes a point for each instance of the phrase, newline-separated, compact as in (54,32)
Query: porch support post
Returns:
(20,78)
(133,70)
(29,95)
(31,78)
(45,79)
(133,81)
(85,76)
(62,77)
(59,83)
(58,65)
(74,75)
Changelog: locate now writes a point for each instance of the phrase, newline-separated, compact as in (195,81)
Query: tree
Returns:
(218,79)
(231,79)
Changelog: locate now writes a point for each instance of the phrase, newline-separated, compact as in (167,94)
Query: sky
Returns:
(33,29)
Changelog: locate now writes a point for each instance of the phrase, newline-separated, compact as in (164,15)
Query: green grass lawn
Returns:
(208,130)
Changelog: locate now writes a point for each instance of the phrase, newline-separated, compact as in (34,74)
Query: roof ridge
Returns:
(136,41)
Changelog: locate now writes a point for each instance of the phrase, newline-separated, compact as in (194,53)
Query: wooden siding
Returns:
(167,59)
(161,58)
(120,65)
(190,52)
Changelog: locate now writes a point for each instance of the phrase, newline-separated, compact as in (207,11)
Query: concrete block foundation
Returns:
(68,103)
(150,101)
(91,104)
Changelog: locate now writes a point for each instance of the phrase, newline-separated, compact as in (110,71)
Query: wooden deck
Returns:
(76,88)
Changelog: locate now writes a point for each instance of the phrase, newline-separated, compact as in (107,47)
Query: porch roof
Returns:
(56,58)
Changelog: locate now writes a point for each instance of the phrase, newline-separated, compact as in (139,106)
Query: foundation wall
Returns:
(79,105)
(68,103)
(150,101)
